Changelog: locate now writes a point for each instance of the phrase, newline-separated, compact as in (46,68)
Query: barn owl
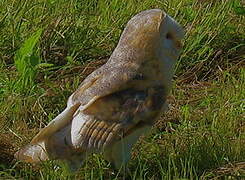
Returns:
(118,102)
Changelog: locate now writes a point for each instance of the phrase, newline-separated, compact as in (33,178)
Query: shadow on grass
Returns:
(6,153)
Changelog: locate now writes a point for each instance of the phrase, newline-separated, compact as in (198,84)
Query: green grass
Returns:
(47,47)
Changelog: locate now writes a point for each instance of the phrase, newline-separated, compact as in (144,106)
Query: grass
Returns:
(202,136)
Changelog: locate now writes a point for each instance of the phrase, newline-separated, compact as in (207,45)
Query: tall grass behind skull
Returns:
(118,102)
